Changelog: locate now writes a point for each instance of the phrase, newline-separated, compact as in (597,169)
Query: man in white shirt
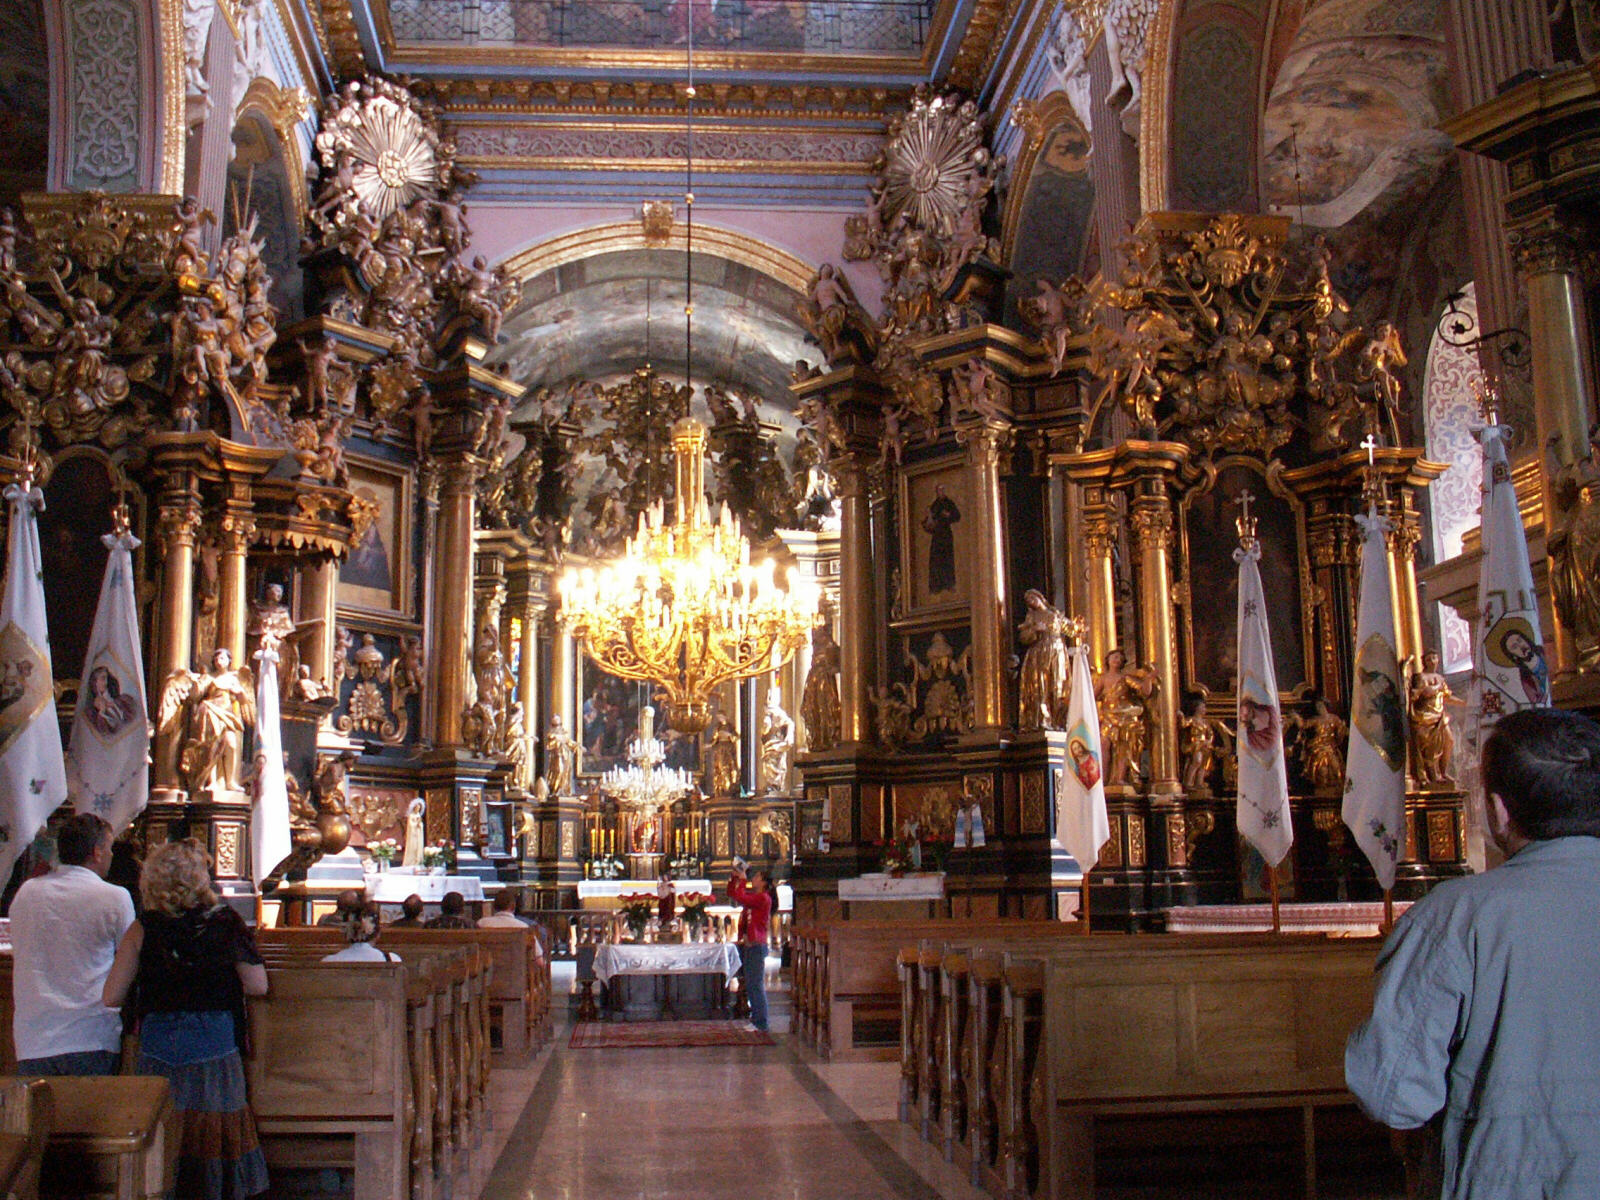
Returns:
(504,915)
(65,927)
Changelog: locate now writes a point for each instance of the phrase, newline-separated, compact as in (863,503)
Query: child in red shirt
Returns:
(754,896)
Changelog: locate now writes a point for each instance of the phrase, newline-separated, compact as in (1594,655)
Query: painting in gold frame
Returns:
(937,531)
(377,576)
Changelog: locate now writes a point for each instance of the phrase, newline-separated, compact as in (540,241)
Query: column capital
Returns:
(178,521)
(1550,242)
(985,439)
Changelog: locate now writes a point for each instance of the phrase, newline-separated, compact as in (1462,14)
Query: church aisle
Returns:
(724,1122)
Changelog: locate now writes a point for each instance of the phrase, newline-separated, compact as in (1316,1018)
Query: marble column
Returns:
(857,618)
(1548,250)
(985,441)
(451,632)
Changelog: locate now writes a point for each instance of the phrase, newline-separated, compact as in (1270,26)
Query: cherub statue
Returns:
(207,714)
(1381,360)
(1433,741)
(893,710)
(777,743)
(1200,749)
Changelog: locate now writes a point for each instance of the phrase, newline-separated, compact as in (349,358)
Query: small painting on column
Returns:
(376,577)
(937,521)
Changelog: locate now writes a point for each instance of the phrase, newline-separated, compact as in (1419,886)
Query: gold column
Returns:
(563,678)
(857,620)
(1147,467)
(451,633)
(1402,540)
(232,602)
(1099,540)
(985,441)
(319,587)
(1547,251)
(178,523)
(528,669)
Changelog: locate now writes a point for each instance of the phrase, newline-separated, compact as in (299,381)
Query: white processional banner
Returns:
(1263,808)
(1082,826)
(1509,648)
(270,839)
(1375,763)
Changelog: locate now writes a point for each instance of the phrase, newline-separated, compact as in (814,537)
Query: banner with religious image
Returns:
(33,773)
(1375,763)
(1263,809)
(1509,648)
(270,840)
(1082,826)
(108,752)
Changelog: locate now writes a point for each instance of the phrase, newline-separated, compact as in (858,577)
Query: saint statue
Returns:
(1433,741)
(819,701)
(1045,684)
(724,757)
(1575,548)
(208,712)
(1122,695)
(777,742)
(272,624)
(1322,740)
(560,751)
(416,834)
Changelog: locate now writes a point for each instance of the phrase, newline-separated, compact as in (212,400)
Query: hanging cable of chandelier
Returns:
(683,606)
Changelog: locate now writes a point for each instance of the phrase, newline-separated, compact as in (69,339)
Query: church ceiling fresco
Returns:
(1355,107)
(598,318)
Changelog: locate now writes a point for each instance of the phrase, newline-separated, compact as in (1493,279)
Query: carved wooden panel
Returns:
(438,820)
(933,805)
(1441,836)
(471,801)
(981,789)
(1136,854)
(1033,810)
(872,812)
(380,812)
(840,813)
(230,838)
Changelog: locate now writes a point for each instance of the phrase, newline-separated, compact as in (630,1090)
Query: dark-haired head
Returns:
(78,838)
(412,906)
(1544,765)
(454,904)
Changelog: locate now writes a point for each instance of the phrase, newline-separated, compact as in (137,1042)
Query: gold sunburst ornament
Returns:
(390,148)
(935,163)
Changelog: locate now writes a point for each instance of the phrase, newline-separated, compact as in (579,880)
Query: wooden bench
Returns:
(115,1136)
(847,979)
(27,1119)
(1124,1027)
(381,1068)
(520,996)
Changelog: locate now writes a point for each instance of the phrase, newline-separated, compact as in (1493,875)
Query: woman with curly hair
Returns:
(190,962)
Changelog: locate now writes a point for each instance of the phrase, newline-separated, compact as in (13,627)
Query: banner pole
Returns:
(1388,911)
(1083,901)
(1272,886)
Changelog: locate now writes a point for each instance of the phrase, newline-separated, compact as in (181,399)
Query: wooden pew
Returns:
(378,1067)
(1113,1026)
(520,997)
(27,1119)
(851,977)
(114,1136)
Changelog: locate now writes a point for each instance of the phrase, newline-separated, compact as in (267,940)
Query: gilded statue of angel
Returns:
(207,714)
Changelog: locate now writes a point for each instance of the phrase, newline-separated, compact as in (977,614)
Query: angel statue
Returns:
(1201,733)
(208,713)
(1321,738)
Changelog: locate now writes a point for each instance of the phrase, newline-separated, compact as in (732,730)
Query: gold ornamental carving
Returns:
(1033,803)
(229,841)
(1441,836)
(839,813)
(1552,244)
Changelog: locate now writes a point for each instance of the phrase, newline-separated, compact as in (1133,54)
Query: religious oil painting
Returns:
(609,718)
(1210,538)
(377,575)
(936,538)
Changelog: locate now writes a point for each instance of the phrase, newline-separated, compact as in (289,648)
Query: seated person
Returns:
(504,915)
(452,913)
(361,936)
(411,913)
(349,902)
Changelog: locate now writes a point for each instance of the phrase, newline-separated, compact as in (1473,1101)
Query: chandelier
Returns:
(683,607)
(644,785)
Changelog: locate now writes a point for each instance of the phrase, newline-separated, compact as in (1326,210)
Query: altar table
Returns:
(667,980)
(919,887)
(392,887)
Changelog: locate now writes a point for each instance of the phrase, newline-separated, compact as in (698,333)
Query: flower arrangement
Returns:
(439,854)
(913,850)
(383,851)
(637,908)
(692,908)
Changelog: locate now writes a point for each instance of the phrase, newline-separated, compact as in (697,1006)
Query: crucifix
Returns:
(1370,445)
(1245,523)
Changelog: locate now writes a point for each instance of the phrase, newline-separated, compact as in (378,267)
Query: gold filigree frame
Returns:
(914,482)
(358,599)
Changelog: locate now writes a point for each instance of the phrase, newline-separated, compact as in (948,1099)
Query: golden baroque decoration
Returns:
(1219,338)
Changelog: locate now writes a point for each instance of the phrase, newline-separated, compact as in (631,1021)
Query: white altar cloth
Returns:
(666,958)
(928,885)
(608,889)
(1341,918)
(389,887)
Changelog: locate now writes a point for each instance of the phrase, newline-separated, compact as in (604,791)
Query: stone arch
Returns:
(267,172)
(1047,228)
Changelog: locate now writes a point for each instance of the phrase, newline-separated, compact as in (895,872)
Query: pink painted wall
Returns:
(814,236)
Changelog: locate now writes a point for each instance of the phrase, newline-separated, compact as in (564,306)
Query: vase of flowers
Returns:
(692,908)
(438,857)
(383,852)
(637,909)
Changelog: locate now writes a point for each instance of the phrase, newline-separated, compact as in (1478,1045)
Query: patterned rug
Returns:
(652,1035)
